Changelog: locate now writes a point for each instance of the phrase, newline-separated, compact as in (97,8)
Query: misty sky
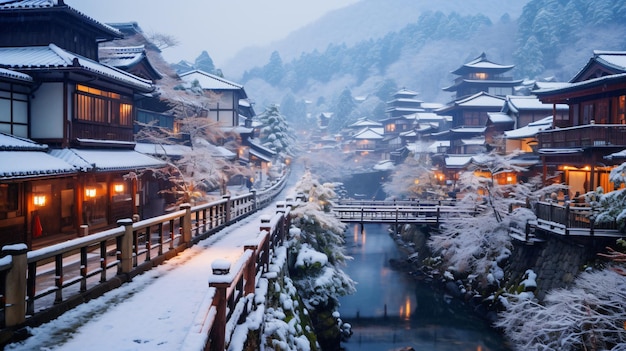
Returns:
(220,27)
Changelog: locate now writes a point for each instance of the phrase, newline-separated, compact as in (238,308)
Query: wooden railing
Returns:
(37,286)
(583,136)
(232,288)
(399,211)
(571,216)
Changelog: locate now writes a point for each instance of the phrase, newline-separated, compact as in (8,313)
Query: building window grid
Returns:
(95,105)
(11,121)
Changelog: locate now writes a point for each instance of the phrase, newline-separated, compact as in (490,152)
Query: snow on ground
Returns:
(153,312)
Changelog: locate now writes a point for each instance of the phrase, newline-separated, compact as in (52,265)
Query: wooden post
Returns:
(217,335)
(15,285)
(265,226)
(126,247)
(227,208)
(249,272)
(254,205)
(185,223)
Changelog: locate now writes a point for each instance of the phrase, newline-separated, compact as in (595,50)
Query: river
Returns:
(391,310)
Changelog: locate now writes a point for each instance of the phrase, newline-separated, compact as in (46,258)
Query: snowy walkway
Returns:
(153,312)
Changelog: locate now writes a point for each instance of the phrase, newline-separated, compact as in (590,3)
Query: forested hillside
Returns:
(550,39)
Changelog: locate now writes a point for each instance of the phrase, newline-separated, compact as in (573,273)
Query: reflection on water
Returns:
(390,310)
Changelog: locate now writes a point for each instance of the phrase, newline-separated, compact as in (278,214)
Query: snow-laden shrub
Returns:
(589,316)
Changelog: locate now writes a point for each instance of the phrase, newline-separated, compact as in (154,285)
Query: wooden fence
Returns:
(40,285)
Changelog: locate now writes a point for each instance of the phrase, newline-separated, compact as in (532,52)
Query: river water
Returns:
(391,310)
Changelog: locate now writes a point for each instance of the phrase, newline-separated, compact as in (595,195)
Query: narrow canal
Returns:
(391,310)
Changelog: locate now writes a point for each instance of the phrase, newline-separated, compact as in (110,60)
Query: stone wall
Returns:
(556,261)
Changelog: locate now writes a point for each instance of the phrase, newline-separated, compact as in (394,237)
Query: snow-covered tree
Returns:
(201,168)
(414,178)
(478,245)
(275,132)
(316,246)
(589,316)
(611,206)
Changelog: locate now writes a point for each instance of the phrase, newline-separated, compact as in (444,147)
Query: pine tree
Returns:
(276,133)
(205,63)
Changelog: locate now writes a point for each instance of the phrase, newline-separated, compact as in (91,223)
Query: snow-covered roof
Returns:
(530,130)
(106,160)
(430,106)
(384,165)
(260,155)
(468,130)
(209,81)
(175,150)
(481,99)
(557,151)
(12,5)
(255,144)
(24,164)
(437,144)
(616,155)
(125,57)
(369,133)
(614,78)
(365,122)
(35,58)
(7,73)
(13,143)
(458,161)
(519,103)
(499,117)
(474,141)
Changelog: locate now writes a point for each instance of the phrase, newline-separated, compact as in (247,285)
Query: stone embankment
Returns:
(556,261)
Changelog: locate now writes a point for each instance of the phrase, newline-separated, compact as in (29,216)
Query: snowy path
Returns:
(153,312)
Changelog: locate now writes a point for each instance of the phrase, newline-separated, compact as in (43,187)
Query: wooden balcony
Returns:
(590,135)
(574,220)
(101,132)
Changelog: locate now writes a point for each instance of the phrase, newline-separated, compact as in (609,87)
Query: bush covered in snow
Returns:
(589,316)
(317,254)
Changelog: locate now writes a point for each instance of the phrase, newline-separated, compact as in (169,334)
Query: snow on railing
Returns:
(39,285)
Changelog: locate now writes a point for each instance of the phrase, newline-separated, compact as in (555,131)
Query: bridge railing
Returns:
(402,203)
(37,286)
(431,212)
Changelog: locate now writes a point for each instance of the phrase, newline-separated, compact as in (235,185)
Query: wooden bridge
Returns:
(552,218)
(398,212)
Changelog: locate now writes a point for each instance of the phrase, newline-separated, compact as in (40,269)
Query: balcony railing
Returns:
(583,136)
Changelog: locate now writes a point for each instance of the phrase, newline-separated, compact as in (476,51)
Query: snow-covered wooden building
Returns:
(65,105)
(580,143)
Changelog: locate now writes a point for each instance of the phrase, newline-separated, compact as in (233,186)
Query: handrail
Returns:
(89,266)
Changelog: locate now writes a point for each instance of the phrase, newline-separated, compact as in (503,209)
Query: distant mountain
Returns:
(370,48)
(361,21)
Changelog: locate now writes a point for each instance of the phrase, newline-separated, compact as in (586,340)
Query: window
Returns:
(621,109)
(100,106)
(13,112)
(9,200)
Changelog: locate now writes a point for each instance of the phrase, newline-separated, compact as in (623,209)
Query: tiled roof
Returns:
(45,57)
(209,81)
(7,73)
(26,164)
(12,5)
(107,160)
(13,143)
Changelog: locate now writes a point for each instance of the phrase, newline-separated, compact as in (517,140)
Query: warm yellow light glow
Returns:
(90,192)
(118,188)
(416,181)
(39,200)
(509,179)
